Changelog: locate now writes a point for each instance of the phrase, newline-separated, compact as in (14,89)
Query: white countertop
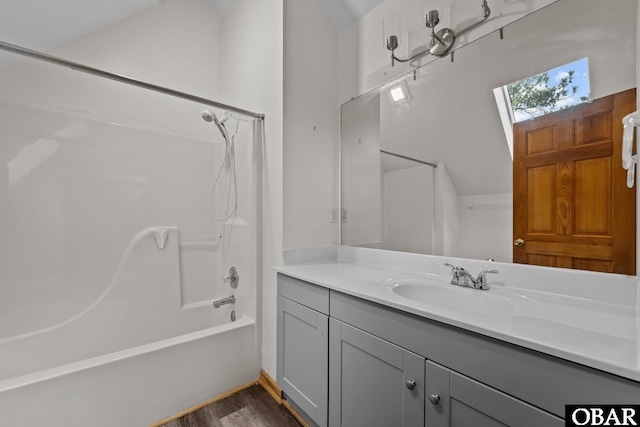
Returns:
(596,332)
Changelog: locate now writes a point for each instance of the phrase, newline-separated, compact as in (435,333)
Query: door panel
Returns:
(593,129)
(303,357)
(368,378)
(541,199)
(464,402)
(572,207)
(593,197)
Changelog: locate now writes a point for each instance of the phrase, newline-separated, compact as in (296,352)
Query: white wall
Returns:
(301,185)
(446,228)
(485,227)
(311,128)
(408,196)
(180,47)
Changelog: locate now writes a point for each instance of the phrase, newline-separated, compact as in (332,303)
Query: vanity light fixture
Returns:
(441,42)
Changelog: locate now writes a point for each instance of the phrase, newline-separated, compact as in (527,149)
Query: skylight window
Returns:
(553,90)
(541,94)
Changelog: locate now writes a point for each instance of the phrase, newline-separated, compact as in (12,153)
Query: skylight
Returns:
(553,90)
(541,94)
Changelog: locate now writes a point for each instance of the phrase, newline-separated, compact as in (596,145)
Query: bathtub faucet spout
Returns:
(223,301)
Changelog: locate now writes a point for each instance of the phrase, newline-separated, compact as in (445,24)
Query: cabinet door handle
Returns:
(434,398)
(411,384)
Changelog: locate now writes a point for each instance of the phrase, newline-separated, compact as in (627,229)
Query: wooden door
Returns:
(572,207)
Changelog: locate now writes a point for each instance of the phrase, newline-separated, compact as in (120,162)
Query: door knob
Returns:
(411,384)
(434,398)
(518,242)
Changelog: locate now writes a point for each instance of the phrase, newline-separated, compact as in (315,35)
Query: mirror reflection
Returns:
(428,160)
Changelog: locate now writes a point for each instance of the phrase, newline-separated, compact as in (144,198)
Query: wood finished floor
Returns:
(251,407)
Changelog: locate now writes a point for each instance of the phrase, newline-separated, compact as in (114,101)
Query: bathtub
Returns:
(156,358)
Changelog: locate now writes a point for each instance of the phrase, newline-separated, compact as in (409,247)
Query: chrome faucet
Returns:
(224,301)
(462,277)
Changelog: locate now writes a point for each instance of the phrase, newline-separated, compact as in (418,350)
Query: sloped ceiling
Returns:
(345,13)
(223,6)
(42,24)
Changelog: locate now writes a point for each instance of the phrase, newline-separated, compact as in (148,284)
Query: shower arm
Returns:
(19,50)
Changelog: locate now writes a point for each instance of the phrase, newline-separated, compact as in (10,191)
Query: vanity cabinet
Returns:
(541,380)
(346,361)
(303,346)
(373,382)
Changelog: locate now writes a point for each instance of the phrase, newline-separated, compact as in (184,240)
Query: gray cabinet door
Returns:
(368,381)
(303,358)
(453,400)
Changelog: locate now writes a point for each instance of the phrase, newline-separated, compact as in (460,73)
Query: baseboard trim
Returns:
(265,380)
(269,384)
(294,413)
(203,404)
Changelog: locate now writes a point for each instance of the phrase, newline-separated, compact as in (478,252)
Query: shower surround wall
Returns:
(93,163)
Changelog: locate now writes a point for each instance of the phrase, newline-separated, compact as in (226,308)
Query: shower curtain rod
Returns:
(409,158)
(123,79)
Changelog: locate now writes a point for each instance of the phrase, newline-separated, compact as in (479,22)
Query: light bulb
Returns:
(391,31)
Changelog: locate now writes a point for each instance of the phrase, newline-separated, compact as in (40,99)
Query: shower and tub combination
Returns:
(130,246)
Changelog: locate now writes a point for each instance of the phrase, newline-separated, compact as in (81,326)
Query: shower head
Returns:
(209,116)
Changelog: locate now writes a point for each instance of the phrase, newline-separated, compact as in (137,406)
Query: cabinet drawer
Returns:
(312,296)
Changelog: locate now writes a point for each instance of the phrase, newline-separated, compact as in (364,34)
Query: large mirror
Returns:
(434,173)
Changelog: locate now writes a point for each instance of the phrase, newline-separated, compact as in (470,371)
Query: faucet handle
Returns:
(233,277)
(453,267)
(482,279)
(455,270)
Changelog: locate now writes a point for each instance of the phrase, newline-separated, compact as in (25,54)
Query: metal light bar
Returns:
(122,79)
(441,41)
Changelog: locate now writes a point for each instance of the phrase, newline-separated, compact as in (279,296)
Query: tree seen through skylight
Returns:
(550,91)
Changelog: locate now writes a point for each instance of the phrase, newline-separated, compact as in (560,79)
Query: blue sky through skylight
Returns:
(580,81)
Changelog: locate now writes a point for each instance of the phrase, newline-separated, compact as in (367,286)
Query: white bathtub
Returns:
(135,355)
(137,386)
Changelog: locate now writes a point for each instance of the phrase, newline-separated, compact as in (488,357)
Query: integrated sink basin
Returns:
(436,294)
